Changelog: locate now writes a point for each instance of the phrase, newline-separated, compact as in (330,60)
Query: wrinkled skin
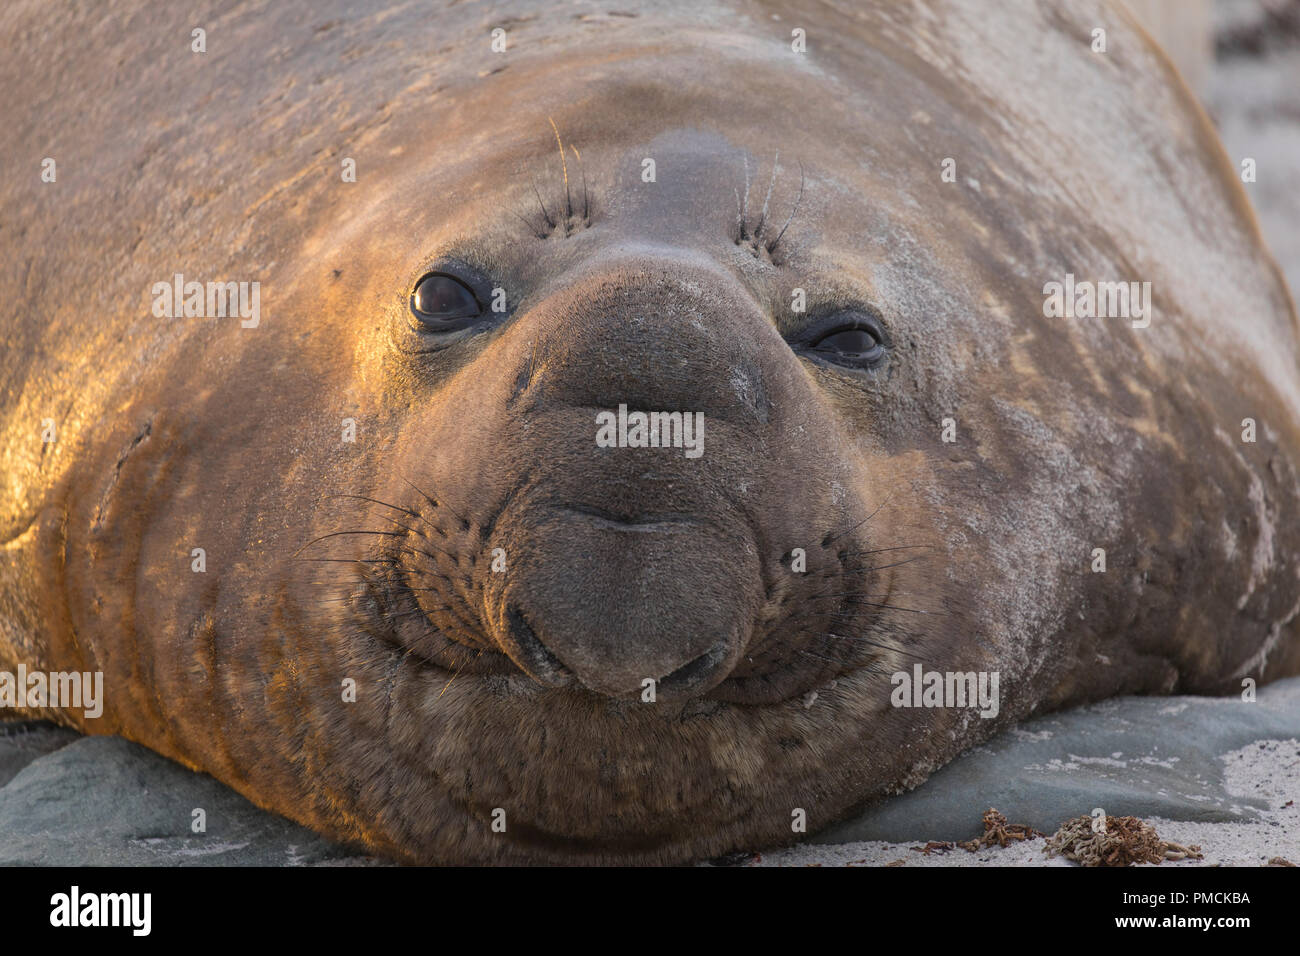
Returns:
(522,689)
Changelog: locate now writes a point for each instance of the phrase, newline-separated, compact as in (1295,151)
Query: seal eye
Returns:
(855,341)
(442,302)
(855,344)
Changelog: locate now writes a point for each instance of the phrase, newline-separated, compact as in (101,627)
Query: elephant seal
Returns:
(409,546)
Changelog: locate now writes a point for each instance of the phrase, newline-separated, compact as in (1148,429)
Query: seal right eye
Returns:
(854,339)
(443,303)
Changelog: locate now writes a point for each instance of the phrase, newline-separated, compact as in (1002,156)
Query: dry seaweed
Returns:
(997,830)
(934,846)
(1123,841)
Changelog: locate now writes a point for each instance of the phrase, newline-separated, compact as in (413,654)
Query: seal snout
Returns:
(623,606)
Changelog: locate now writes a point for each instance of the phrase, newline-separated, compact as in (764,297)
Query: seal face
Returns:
(582,492)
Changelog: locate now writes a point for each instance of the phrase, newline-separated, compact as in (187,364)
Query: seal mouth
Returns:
(412,593)
(592,625)
(632,523)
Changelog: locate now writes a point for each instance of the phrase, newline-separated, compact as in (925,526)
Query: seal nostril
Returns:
(694,675)
(531,654)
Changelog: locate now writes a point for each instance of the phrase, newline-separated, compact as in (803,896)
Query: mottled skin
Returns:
(185,433)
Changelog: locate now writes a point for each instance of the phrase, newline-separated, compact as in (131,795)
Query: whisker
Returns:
(762,216)
(828,660)
(350,560)
(457,674)
(834,537)
(457,611)
(435,502)
(405,511)
(798,199)
(336,534)
(417,612)
(412,531)
(413,514)
(863,640)
(846,594)
(531,228)
(545,215)
(564,167)
(884,567)
(902,547)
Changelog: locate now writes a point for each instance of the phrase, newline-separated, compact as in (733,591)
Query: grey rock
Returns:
(22,741)
(103,801)
(1140,756)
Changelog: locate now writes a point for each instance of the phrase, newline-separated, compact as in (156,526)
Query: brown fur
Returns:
(185,433)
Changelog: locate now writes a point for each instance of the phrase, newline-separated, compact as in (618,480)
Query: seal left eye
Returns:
(442,302)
